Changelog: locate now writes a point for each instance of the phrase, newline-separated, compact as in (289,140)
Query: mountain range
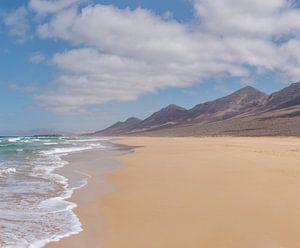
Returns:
(246,112)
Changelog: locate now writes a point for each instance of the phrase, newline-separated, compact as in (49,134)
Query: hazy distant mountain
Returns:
(120,127)
(247,111)
(40,131)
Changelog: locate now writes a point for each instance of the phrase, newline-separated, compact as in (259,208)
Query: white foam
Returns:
(8,171)
(50,143)
(60,203)
(13,140)
(66,150)
(77,228)
(89,140)
(54,209)
(97,146)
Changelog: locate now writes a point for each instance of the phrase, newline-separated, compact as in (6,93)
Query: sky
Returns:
(81,65)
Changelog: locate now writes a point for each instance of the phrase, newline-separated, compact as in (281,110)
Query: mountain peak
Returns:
(174,107)
(247,102)
(242,101)
(249,90)
(132,119)
(171,113)
(248,87)
(120,127)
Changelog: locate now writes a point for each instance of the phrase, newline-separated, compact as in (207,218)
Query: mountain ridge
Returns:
(119,127)
(247,103)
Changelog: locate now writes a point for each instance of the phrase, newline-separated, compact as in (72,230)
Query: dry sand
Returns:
(197,192)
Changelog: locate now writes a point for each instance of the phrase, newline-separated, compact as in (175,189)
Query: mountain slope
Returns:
(287,97)
(251,126)
(120,127)
(247,111)
(167,116)
(243,101)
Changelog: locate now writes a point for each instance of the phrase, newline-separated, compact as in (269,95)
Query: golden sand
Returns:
(200,192)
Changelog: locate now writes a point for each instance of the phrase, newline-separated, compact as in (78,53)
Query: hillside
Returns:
(246,112)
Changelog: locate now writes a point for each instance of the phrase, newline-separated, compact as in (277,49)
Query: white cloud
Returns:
(121,54)
(17,24)
(43,7)
(37,58)
(249,17)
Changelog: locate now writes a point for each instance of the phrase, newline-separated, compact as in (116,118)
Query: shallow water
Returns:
(33,205)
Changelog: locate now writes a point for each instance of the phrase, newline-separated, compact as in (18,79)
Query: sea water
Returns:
(34,209)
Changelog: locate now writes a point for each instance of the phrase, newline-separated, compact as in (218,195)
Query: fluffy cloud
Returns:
(254,18)
(17,23)
(121,54)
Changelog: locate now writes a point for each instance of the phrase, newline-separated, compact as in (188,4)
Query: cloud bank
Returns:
(122,54)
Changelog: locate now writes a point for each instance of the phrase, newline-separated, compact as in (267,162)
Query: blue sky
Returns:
(82,65)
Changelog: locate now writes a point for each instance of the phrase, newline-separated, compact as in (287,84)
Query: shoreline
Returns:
(94,164)
(195,192)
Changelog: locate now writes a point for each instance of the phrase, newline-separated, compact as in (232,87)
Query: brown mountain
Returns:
(120,127)
(243,101)
(166,117)
(246,112)
(285,98)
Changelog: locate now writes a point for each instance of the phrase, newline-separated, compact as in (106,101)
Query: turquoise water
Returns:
(33,199)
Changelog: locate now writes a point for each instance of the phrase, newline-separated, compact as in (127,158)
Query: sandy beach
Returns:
(193,192)
(96,163)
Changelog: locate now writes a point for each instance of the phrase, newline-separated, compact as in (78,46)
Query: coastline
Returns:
(94,164)
(194,192)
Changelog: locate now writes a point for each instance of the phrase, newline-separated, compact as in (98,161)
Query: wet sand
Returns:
(96,163)
(196,192)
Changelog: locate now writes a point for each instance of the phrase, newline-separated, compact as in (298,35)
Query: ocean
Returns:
(34,209)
